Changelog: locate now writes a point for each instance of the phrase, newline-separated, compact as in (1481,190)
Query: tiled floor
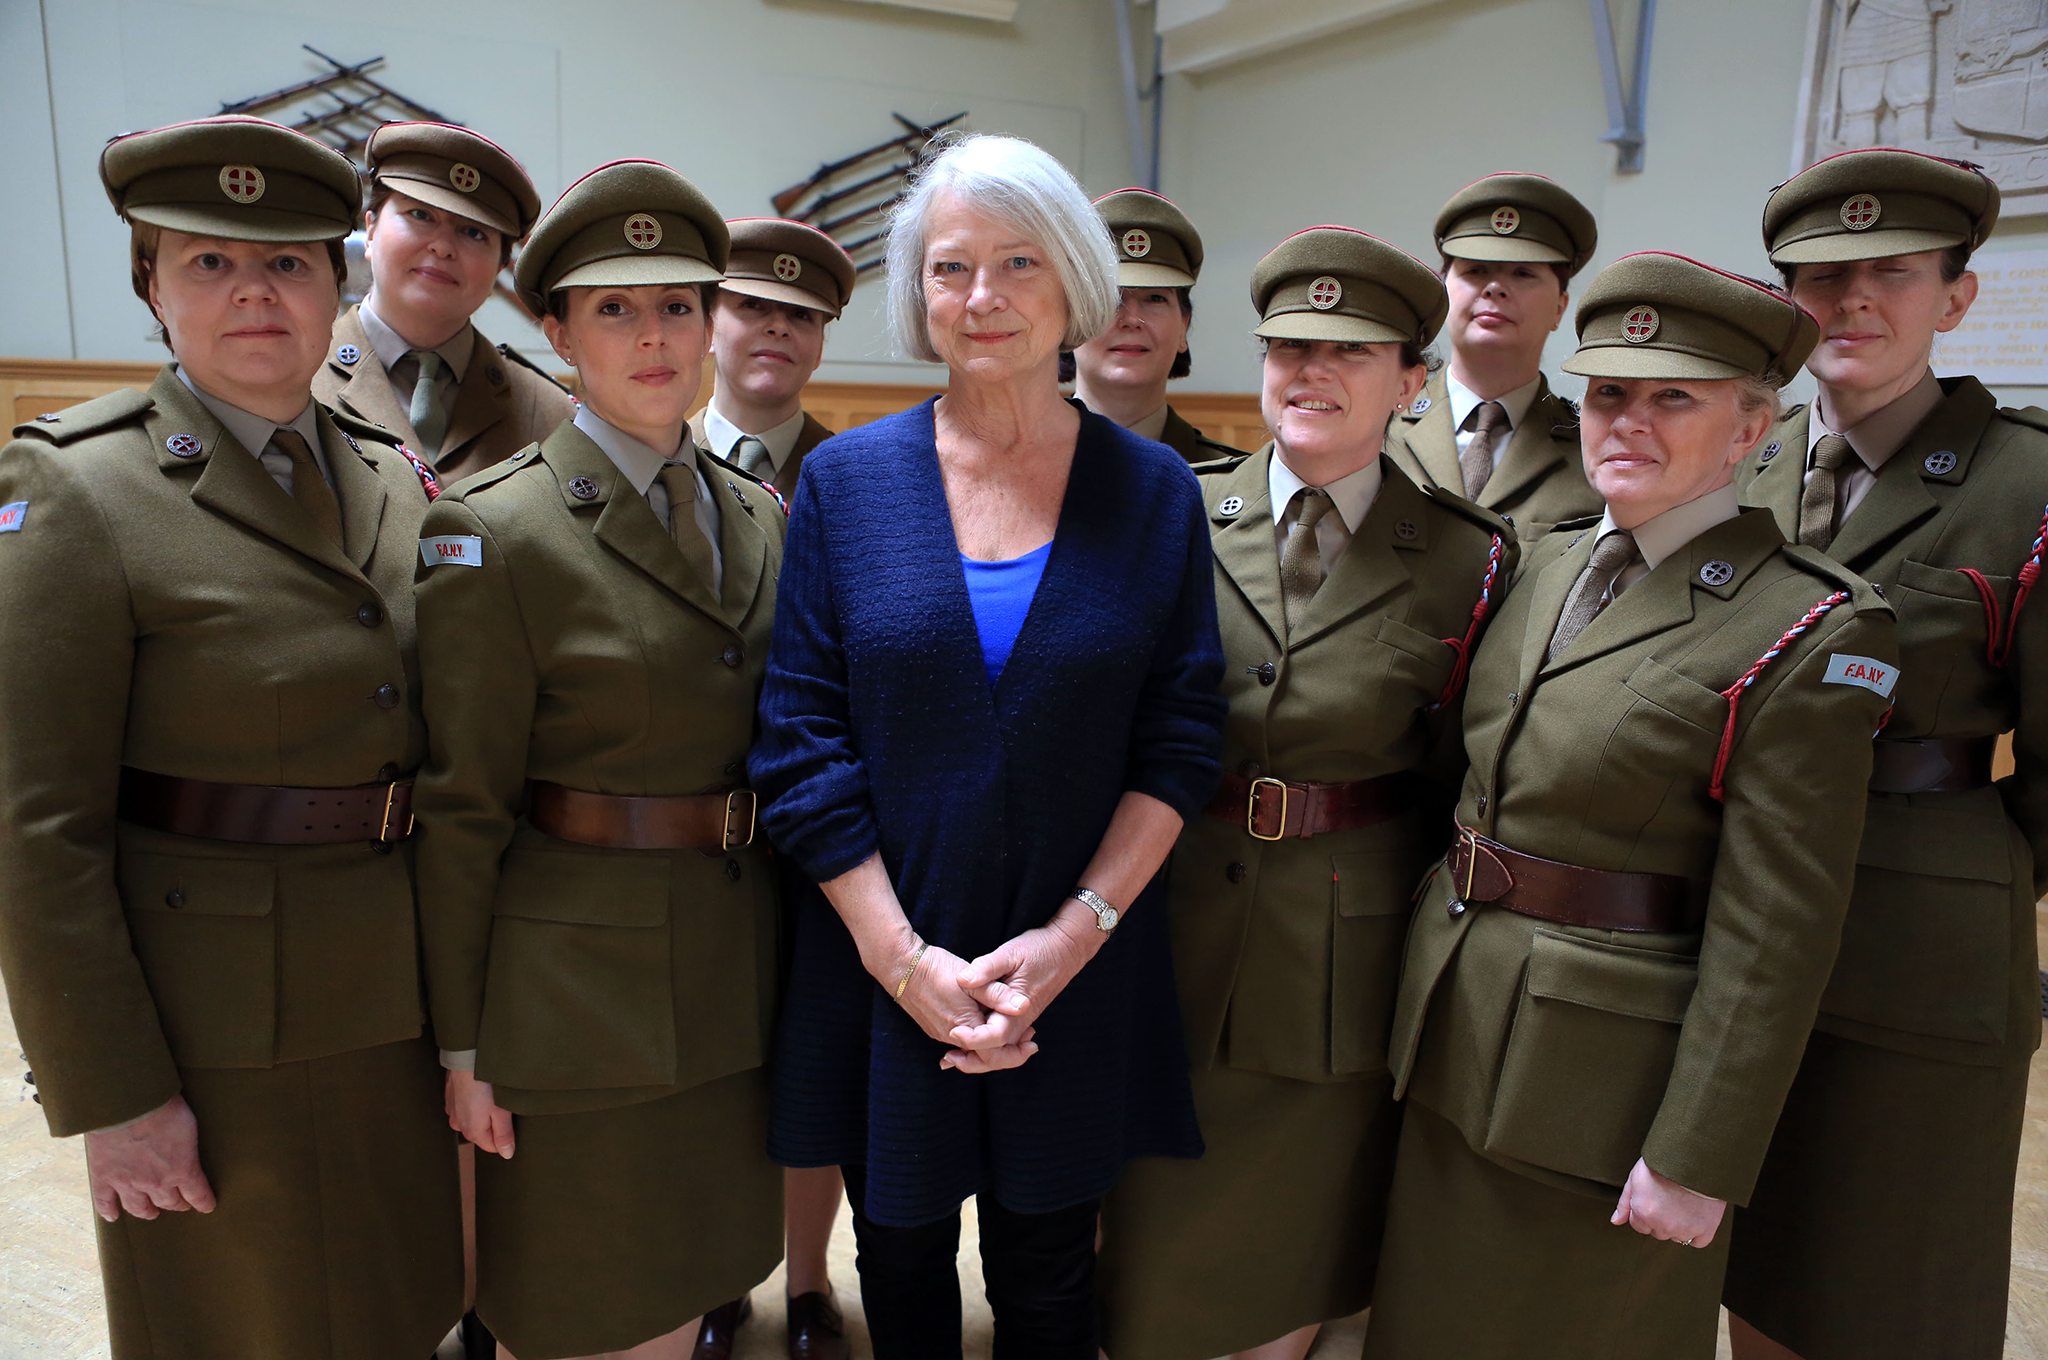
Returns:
(49,1284)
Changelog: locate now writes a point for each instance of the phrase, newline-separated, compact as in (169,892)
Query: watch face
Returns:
(1108,918)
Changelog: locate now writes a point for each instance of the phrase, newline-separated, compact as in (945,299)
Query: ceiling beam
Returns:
(1202,35)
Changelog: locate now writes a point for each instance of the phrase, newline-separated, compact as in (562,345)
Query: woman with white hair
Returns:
(991,705)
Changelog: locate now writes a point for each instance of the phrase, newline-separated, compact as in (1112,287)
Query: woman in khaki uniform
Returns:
(1122,373)
(1882,1223)
(446,206)
(1347,598)
(206,629)
(1610,978)
(599,919)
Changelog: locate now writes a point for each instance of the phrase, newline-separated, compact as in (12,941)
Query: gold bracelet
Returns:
(911,971)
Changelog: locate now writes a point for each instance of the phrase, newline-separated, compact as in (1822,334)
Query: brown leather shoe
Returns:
(817,1331)
(721,1329)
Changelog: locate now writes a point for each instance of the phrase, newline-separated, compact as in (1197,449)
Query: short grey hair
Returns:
(1760,392)
(1016,182)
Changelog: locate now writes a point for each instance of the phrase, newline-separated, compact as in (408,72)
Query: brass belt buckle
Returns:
(726,841)
(1251,810)
(384,835)
(1471,842)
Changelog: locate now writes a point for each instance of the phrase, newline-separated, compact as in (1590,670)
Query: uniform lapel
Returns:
(742,542)
(1780,479)
(625,521)
(369,394)
(1373,563)
(1531,452)
(812,435)
(482,398)
(1659,602)
(1431,437)
(1900,499)
(360,490)
(1244,543)
(1550,586)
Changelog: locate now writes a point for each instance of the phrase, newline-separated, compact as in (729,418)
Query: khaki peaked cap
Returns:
(1658,315)
(1864,205)
(1517,216)
(623,225)
(788,262)
(235,177)
(1342,284)
(455,170)
(1156,245)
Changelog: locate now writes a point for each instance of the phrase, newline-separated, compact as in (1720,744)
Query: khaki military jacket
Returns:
(1541,477)
(1567,1053)
(163,604)
(813,434)
(1938,953)
(1190,443)
(1287,952)
(503,403)
(582,649)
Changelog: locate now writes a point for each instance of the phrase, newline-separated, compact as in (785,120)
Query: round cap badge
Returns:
(583,489)
(1941,463)
(1506,221)
(348,354)
(1770,451)
(242,183)
(467,178)
(1640,325)
(788,268)
(1717,573)
(1861,211)
(1325,293)
(1421,405)
(183,445)
(1231,505)
(642,232)
(1137,243)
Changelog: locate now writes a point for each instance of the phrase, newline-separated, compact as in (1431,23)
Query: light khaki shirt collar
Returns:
(725,436)
(1351,498)
(1660,536)
(1152,426)
(1883,432)
(391,347)
(641,466)
(253,432)
(1464,401)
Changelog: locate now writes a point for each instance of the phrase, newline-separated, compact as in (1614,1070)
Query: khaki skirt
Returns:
(1882,1222)
(338,1233)
(1276,1227)
(1483,1264)
(611,1227)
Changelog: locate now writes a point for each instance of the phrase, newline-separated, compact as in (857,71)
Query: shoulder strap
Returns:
(513,356)
(101,413)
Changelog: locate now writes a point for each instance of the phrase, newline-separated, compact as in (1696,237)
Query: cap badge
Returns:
(1421,405)
(183,445)
(348,354)
(582,488)
(1506,221)
(242,183)
(1325,293)
(1230,506)
(465,177)
(642,232)
(1941,463)
(1861,211)
(1137,243)
(1640,325)
(1716,573)
(788,268)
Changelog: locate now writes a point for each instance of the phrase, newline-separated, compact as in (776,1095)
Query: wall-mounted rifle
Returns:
(915,139)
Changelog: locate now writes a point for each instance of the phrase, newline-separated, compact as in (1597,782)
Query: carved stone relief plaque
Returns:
(1960,78)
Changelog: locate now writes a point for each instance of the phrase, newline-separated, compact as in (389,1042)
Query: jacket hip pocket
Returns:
(206,934)
(1590,1055)
(1374,896)
(579,994)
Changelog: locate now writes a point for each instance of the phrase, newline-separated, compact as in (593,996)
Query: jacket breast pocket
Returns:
(1926,946)
(206,934)
(1594,1038)
(1945,679)
(1424,660)
(1375,898)
(580,990)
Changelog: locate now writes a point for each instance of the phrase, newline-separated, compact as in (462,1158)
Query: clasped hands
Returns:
(987,1008)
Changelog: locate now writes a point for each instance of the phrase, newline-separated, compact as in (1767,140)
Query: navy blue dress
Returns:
(880,731)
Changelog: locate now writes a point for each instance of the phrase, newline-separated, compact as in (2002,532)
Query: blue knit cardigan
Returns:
(880,731)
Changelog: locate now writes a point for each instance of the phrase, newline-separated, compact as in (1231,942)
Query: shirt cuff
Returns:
(461,1060)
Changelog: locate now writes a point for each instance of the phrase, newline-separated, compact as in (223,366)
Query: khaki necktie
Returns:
(428,415)
(1817,503)
(309,488)
(1614,551)
(1301,561)
(750,455)
(681,482)
(1476,459)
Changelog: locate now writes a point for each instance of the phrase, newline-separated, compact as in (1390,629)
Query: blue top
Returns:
(1000,593)
(881,733)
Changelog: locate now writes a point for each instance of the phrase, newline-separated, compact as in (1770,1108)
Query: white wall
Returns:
(743,96)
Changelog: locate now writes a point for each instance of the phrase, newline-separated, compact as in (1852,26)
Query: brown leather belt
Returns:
(265,814)
(710,822)
(1484,870)
(1273,809)
(1932,764)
